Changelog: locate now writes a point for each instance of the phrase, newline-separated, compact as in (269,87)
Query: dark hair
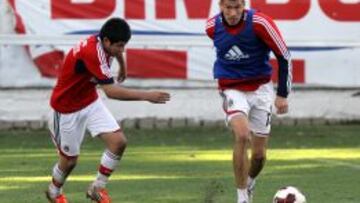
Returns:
(116,30)
(243,1)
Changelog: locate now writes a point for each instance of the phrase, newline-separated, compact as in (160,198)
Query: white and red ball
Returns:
(289,194)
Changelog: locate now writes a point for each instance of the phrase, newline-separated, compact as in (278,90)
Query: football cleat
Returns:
(99,195)
(59,199)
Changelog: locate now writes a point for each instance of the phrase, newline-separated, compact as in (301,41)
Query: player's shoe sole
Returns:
(60,199)
(98,195)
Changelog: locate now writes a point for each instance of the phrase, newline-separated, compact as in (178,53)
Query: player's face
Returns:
(114,49)
(232,10)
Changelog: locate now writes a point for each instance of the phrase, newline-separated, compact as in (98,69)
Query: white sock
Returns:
(109,162)
(54,191)
(250,181)
(101,180)
(242,195)
(58,179)
(58,175)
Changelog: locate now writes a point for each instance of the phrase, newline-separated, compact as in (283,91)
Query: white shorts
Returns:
(68,129)
(256,105)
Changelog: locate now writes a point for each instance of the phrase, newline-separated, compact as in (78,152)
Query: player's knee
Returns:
(241,136)
(69,164)
(119,143)
(259,155)
(72,164)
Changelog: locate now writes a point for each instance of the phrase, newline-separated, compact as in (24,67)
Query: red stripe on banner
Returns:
(298,70)
(68,9)
(135,9)
(198,9)
(341,11)
(49,63)
(19,26)
(294,9)
(156,63)
(165,9)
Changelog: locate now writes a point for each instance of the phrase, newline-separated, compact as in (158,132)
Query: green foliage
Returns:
(189,166)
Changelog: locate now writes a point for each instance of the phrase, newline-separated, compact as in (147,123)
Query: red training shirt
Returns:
(85,66)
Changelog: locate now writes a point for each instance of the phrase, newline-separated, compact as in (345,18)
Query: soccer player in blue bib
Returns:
(243,39)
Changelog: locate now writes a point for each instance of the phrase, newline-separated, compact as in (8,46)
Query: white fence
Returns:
(159,41)
(325,47)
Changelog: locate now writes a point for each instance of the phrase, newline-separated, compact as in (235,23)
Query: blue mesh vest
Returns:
(240,56)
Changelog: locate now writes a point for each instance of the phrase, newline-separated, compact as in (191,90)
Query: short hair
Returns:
(116,30)
(243,1)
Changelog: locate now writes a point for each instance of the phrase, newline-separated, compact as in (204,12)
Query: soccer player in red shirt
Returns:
(243,39)
(77,107)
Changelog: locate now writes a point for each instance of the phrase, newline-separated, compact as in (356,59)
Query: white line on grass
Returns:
(340,163)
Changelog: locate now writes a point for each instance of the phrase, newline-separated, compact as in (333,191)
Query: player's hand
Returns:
(122,68)
(157,97)
(281,105)
(122,76)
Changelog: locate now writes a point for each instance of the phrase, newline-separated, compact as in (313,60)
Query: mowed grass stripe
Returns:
(189,166)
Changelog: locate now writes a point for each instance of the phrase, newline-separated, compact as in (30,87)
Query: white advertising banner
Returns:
(323,36)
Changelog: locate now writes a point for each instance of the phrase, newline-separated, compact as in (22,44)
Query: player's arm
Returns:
(99,68)
(210,27)
(114,91)
(267,31)
(122,74)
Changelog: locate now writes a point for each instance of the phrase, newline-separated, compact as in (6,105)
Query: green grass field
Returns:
(190,166)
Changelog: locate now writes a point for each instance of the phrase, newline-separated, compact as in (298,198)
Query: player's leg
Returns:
(67,131)
(241,132)
(115,143)
(257,161)
(258,155)
(260,126)
(236,109)
(102,124)
(60,172)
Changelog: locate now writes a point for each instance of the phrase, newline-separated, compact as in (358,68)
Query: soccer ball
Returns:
(289,194)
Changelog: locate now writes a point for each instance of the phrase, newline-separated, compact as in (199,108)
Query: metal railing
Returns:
(161,40)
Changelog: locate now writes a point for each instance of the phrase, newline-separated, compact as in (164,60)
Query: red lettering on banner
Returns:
(152,63)
(49,63)
(339,11)
(135,9)
(66,9)
(298,70)
(293,10)
(165,9)
(197,9)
